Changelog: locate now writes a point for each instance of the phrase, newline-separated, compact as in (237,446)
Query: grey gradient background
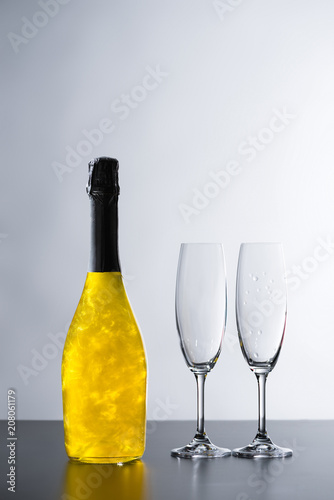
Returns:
(227,67)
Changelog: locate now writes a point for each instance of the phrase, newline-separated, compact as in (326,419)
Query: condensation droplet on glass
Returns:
(250,332)
(245,303)
(256,355)
(264,273)
(247,292)
(255,278)
(259,332)
(271,281)
(258,289)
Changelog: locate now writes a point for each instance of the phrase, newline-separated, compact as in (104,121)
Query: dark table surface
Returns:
(44,472)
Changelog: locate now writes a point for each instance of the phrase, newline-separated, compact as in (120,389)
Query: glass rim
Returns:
(202,243)
(261,243)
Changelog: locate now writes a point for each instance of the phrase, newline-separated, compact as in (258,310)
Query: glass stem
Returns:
(261,379)
(200,380)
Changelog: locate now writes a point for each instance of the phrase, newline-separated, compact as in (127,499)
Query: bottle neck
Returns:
(104,234)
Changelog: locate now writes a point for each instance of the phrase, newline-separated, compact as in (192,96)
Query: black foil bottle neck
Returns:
(104,233)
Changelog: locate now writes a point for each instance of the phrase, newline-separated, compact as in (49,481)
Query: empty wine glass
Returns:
(200,303)
(261,317)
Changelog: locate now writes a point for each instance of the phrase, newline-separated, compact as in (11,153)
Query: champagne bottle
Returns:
(104,364)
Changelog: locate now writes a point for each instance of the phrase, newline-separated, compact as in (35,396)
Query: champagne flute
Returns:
(261,317)
(200,303)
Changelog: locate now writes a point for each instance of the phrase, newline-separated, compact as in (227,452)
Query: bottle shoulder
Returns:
(104,308)
(104,290)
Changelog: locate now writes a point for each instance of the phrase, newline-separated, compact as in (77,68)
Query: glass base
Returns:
(262,448)
(200,448)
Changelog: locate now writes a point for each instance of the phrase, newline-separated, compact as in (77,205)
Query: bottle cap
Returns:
(103,176)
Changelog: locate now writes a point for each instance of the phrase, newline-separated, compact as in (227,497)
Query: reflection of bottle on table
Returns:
(106,481)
